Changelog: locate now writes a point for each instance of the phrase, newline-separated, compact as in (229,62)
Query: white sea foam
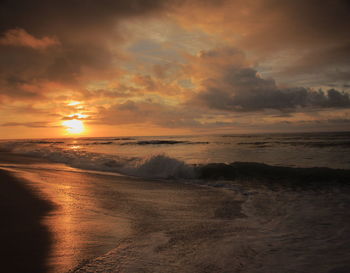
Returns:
(282,227)
(154,166)
(194,157)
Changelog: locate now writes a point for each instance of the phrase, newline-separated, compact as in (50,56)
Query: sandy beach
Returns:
(83,216)
(61,219)
(174,136)
(25,241)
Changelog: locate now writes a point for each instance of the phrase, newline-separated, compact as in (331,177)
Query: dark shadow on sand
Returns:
(24,241)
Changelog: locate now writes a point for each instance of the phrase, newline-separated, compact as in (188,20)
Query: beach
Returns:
(174,136)
(92,214)
(63,219)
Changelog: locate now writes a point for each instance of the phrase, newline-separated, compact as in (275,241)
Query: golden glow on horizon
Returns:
(74,126)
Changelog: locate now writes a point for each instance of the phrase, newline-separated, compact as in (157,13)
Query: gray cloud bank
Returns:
(243,90)
(233,85)
(67,42)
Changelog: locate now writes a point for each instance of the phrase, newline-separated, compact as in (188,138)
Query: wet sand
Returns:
(62,219)
(131,225)
(25,241)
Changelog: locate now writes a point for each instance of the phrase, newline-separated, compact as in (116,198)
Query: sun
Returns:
(74,126)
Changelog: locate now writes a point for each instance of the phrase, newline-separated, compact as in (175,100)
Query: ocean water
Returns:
(187,156)
(276,229)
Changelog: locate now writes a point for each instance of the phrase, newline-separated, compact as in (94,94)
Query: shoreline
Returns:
(241,176)
(95,214)
(109,223)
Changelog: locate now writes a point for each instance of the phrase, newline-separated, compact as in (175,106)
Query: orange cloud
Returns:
(174,63)
(20,37)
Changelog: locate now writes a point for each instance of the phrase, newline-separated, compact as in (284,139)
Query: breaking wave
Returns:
(43,142)
(162,166)
(317,144)
(161,142)
(92,143)
(105,139)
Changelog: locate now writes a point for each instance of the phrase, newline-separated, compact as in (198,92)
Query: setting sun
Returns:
(175,136)
(74,126)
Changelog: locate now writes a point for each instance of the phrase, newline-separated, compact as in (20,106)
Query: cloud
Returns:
(332,62)
(269,24)
(78,117)
(143,112)
(283,99)
(299,37)
(86,32)
(90,37)
(19,37)
(234,86)
(152,61)
(77,14)
(37,124)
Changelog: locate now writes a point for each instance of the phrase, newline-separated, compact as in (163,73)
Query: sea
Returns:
(255,203)
(190,157)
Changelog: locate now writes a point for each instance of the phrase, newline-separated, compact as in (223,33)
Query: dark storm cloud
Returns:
(329,56)
(312,34)
(317,31)
(331,62)
(281,99)
(236,87)
(307,21)
(270,24)
(65,49)
(58,41)
(42,17)
(78,34)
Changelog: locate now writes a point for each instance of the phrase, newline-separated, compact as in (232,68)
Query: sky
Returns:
(169,67)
